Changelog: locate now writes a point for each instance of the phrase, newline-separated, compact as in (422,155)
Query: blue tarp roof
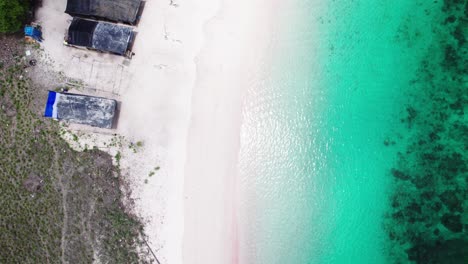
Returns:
(49,109)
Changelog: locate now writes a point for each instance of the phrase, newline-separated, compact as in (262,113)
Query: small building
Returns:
(100,36)
(81,109)
(125,11)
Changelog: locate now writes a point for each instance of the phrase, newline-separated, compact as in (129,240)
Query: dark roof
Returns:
(81,109)
(125,11)
(81,32)
(100,35)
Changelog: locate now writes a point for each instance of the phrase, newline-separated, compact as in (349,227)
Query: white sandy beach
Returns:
(181,95)
(236,45)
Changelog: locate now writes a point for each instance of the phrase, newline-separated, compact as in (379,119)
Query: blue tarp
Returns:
(33,33)
(49,110)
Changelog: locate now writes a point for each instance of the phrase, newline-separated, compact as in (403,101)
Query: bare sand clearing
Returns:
(181,95)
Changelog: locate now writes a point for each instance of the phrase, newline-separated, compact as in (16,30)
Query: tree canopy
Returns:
(12,15)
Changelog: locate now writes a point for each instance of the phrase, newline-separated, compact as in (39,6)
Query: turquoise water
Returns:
(315,157)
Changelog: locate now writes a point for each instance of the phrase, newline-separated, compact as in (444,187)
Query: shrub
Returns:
(12,15)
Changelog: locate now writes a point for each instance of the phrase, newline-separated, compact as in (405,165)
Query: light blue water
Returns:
(315,170)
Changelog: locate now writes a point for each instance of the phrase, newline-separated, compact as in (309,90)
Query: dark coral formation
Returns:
(453,251)
(428,221)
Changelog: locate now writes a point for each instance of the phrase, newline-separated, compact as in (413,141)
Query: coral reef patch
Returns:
(429,214)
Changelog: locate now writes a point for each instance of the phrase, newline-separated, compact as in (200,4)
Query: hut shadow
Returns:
(130,52)
(140,12)
(115,121)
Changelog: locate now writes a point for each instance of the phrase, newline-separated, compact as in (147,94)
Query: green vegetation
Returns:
(118,157)
(135,146)
(153,172)
(57,205)
(12,15)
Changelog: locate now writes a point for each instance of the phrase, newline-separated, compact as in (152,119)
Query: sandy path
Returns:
(156,109)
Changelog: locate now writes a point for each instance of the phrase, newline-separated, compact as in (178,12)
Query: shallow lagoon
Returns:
(331,130)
